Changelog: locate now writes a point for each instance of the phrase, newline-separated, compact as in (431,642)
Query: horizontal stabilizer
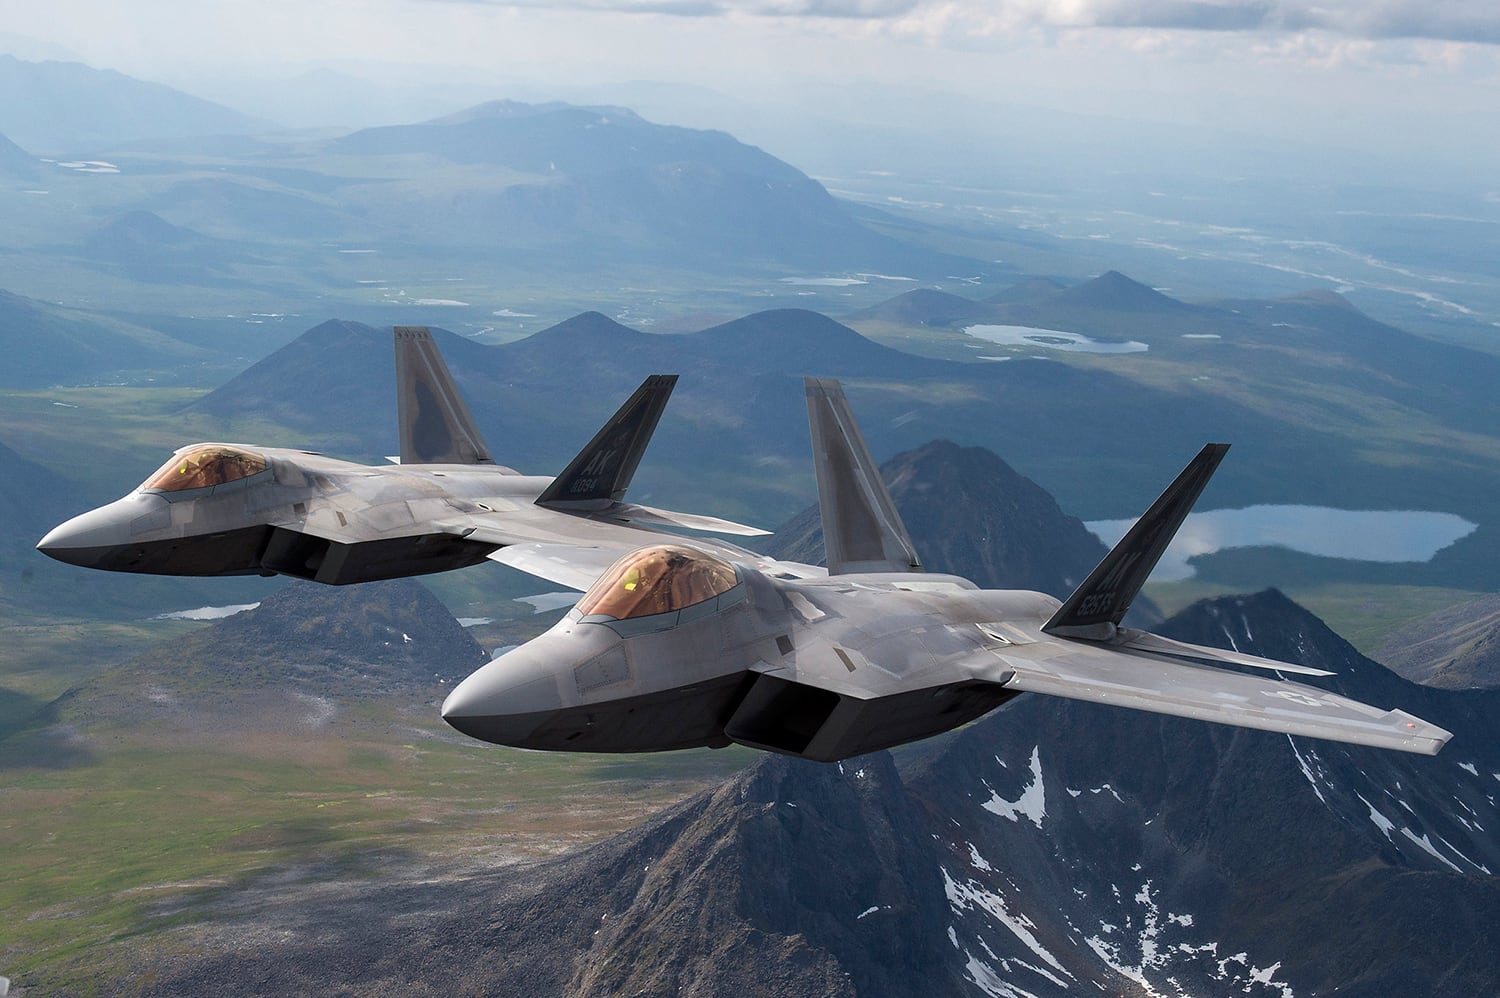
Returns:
(436,427)
(1095,609)
(862,532)
(602,471)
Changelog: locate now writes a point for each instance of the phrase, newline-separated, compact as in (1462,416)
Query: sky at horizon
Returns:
(1395,72)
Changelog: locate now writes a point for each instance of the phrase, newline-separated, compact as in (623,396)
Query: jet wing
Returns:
(1145,682)
(566,564)
(628,512)
(574,549)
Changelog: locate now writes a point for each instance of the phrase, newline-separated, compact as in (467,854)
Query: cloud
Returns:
(837,9)
(1474,21)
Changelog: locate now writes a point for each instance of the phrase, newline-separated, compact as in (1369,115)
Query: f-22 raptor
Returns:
(232,509)
(676,646)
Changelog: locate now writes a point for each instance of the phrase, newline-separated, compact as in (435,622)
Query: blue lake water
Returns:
(207,612)
(1051,339)
(544,602)
(1361,535)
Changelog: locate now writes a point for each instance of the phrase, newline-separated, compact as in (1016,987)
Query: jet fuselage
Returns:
(674,647)
(821,668)
(302,514)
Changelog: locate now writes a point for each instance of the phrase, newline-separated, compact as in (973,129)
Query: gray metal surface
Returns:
(446,506)
(877,653)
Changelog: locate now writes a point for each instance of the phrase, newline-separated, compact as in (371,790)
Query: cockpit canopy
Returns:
(656,580)
(203,466)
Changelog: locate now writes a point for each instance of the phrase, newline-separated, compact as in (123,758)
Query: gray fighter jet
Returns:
(229,509)
(678,646)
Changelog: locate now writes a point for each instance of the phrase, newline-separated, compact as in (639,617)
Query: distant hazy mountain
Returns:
(32,501)
(61,107)
(45,344)
(928,307)
(339,374)
(16,163)
(1311,363)
(1455,649)
(585,184)
(229,206)
(564,140)
(1031,289)
(143,246)
(798,342)
(1110,306)
(740,401)
(1114,291)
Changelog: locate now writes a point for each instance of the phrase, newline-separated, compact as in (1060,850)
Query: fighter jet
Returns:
(678,646)
(231,509)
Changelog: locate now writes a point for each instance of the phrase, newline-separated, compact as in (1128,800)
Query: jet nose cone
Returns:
(75,541)
(57,540)
(90,539)
(510,698)
(502,703)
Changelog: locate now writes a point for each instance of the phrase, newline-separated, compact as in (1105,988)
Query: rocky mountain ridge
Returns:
(1457,648)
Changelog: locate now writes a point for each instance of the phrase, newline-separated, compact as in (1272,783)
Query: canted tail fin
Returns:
(601,472)
(436,426)
(862,532)
(1095,609)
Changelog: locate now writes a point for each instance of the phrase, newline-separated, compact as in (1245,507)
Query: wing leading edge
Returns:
(1097,660)
(1144,682)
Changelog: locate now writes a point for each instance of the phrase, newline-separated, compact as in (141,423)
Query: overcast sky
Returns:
(1381,70)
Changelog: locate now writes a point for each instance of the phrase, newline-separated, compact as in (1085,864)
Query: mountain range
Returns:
(32,501)
(300,658)
(46,344)
(1346,388)
(500,187)
(1457,648)
(67,107)
(390,638)
(16,163)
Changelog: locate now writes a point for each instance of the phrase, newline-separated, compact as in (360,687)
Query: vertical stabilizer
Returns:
(1095,609)
(602,471)
(862,531)
(436,427)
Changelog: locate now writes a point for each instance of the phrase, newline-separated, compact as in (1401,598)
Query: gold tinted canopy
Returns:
(205,465)
(657,579)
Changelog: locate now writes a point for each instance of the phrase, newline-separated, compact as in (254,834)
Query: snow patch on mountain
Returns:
(1032,804)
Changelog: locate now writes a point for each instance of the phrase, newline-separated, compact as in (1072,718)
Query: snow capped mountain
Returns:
(1087,846)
